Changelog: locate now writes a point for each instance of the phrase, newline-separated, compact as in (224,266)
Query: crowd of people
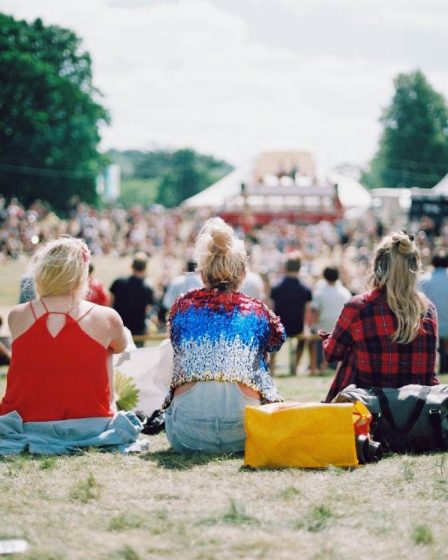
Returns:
(251,291)
(171,233)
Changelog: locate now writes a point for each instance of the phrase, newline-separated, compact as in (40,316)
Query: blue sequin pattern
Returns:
(224,336)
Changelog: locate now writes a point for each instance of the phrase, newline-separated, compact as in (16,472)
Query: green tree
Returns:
(49,115)
(413,149)
(136,191)
(188,174)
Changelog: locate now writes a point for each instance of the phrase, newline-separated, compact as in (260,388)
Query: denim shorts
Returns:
(209,417)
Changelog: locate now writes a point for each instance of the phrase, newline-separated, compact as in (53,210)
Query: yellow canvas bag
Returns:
(303,435)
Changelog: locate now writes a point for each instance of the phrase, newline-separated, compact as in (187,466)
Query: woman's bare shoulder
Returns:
(103,313)
(20,318)
(18,311)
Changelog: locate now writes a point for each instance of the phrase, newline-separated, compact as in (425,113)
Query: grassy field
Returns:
(162,505)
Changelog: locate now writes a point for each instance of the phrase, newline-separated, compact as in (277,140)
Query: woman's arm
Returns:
(337,343)
(277,335)
(110,374)
(118,340)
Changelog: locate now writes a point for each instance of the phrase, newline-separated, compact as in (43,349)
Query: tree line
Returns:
(166,177)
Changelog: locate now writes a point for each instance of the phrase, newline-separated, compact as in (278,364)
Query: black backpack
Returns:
(413,418)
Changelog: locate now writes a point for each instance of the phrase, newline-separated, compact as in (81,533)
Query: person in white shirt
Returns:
(253,285)
(182,284)
(328,300)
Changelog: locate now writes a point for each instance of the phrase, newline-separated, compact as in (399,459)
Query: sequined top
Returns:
(224,336)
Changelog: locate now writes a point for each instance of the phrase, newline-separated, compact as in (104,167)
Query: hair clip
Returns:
(411,237)
(85,253)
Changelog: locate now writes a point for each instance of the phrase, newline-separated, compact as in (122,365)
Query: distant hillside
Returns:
(165,177)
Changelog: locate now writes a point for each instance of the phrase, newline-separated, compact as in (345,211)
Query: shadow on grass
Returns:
(172,460)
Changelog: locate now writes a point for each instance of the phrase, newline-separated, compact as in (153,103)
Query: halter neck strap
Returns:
(55,312)
(32,309)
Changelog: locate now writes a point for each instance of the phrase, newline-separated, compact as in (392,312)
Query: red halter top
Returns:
(57,377)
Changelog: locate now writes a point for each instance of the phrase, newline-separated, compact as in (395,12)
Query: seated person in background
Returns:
(5,351)
(27,288)
(386,337)
(221,339)
(60,368)
(96,292)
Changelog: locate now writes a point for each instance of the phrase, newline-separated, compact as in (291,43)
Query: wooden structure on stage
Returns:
(280,185)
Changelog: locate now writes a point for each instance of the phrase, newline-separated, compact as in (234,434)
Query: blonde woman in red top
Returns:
(62,345)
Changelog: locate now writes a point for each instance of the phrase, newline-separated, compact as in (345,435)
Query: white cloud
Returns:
(188,73)
(417,15)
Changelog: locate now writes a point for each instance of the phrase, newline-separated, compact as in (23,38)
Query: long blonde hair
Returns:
(395,268)
(220,255)
(61,267)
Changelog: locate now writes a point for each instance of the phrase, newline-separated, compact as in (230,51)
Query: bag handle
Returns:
(413,417)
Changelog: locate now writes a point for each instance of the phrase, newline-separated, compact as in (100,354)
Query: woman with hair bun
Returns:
(386,337)
(221,339)
(59,394)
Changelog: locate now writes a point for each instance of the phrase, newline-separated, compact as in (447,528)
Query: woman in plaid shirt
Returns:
(386,337)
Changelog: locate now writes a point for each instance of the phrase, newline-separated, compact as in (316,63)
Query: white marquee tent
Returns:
(351,193)
(441,187)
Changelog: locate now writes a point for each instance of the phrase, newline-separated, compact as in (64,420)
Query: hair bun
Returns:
(405,245)
(221,240)
(220,255)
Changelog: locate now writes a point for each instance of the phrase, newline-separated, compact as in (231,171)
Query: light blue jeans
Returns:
(209,417)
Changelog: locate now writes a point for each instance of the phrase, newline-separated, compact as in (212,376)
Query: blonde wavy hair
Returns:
(61,267)
(220,255)
(395,268)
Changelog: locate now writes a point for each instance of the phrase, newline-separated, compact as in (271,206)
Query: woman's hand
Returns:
(323,334)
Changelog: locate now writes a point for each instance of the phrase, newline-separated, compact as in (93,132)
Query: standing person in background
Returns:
(435,287)
(253,285)
(386,337)
(182,284)
(132,298)
(96,292)
(291,300)
(328,300)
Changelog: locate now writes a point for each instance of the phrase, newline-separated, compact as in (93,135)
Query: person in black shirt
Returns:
(291,300)
(132,298)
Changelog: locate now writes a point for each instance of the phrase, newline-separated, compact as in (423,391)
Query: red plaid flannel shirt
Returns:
(362,340)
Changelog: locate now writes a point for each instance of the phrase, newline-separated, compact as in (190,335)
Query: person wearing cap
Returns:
(131,296)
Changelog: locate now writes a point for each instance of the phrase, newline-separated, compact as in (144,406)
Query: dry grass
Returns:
(163,505)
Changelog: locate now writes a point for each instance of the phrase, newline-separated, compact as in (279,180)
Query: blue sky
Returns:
(235,77)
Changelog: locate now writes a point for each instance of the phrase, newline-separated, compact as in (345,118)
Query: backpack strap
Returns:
(435,419)
(413,417)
